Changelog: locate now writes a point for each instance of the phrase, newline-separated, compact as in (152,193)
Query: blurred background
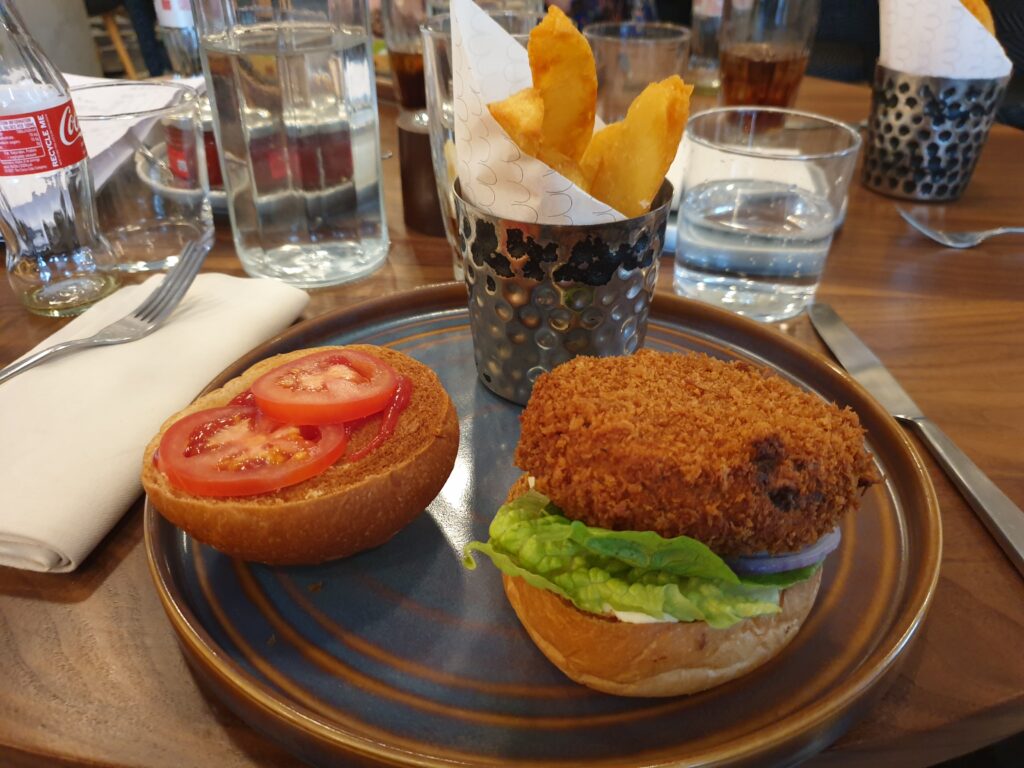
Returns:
(120,38)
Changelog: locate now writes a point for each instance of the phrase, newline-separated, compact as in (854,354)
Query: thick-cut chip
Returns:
(522,117)
(630,165)
(600,146)
(565,74)
(982,13)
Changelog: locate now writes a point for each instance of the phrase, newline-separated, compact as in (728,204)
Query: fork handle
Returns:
(32,361)
(1003,519)
(1007,230)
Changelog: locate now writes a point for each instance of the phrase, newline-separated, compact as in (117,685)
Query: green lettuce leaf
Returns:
(627,571)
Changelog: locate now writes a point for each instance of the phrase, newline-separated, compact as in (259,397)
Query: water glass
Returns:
(295,112)
(763,50)
(148,163)
(631,55)
(763,192)
(437,63)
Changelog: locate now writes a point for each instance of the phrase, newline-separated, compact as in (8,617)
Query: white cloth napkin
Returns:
(73,429)
(938,38)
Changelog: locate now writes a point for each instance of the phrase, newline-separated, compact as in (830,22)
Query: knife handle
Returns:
(1003,518)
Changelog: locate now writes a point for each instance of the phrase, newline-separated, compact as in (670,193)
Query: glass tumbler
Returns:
(763,49)
(294,100)
(437,63)
(149,169)
(763,192)
(629,56)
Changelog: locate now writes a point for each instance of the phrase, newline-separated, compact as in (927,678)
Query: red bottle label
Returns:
(40,141)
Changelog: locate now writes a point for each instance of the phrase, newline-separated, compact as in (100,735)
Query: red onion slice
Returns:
(790,561)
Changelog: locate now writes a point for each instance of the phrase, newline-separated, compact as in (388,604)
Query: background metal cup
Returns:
(925,133)
(542,294)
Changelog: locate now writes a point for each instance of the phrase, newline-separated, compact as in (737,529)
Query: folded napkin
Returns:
(74,428)
(938,38)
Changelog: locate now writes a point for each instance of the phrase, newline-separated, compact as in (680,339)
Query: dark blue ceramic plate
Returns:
(401,656)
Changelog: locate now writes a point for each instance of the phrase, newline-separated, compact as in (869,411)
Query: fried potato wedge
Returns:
(981,12)
(600,147)
(626,168)
(522,117)
(565,75)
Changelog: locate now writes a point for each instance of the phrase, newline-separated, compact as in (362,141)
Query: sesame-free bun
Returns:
(655,659)
(662,659)
(351,506)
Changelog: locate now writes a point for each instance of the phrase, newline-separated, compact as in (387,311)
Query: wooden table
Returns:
(90,673)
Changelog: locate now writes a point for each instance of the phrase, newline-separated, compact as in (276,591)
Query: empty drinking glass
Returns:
(629,56)
(145,141)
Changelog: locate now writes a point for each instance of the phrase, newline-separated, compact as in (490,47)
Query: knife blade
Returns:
(1003,519)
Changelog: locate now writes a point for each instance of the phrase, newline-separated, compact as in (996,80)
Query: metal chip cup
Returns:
(542,294)
(925,133)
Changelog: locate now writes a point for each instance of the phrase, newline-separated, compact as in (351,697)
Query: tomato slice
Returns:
(237,450)
(326,388)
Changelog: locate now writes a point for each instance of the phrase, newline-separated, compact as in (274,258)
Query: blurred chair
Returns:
(107,11)
(143,23)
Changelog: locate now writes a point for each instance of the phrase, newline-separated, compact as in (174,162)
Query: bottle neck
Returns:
(23,58)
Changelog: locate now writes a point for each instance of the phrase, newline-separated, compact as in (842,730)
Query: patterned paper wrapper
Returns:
(490,65)
(938,38)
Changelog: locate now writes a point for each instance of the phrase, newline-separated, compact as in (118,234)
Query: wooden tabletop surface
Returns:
(90,673)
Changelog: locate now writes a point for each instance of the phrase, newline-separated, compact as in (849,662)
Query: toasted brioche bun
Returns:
(657,659)
(663,659)
(351,506)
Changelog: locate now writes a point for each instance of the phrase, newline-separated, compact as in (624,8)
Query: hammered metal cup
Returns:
(542,294)
(925,133)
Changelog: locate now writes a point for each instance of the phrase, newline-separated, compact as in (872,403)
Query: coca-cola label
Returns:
(174,13)
(35,142)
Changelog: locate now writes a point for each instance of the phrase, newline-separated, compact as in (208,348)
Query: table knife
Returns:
(1003,518)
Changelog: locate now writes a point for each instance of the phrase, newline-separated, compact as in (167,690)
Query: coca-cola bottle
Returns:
(57,260)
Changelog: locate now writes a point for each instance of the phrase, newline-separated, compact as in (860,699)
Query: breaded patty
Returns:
(726,453)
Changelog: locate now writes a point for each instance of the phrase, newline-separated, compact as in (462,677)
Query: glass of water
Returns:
(294,101)
(763,191)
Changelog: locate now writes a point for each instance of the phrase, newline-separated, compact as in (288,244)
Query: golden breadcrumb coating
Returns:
(726,453)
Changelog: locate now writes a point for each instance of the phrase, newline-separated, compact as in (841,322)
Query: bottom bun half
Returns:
(660,659)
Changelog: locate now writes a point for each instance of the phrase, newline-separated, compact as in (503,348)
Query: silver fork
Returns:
(141,321)
(955,239)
